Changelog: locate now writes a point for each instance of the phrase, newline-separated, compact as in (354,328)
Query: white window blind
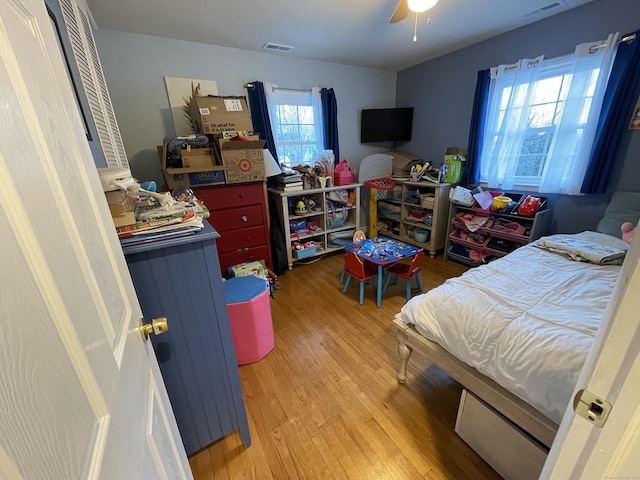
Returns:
(86,55)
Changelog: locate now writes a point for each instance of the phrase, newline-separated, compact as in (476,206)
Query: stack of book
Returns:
(154,221)
(290,181)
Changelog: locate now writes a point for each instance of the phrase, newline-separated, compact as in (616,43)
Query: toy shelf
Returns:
(329,228)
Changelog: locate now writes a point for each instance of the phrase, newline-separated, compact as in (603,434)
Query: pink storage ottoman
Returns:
(247,300)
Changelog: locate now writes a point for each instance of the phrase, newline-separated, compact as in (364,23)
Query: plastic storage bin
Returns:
(247,300)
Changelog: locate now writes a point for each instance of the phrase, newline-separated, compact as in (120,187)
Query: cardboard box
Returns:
(198,157)
(456,151)
(191,176)
(454,158)
(215,115)
(256,268)
(461,196)
(243,160)
(119,202)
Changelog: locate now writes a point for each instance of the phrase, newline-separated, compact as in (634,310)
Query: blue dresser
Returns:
(180,279)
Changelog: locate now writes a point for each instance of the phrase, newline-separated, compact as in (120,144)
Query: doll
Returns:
(627,230)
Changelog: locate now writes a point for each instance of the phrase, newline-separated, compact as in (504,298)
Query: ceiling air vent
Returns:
(275,47)
(543,9)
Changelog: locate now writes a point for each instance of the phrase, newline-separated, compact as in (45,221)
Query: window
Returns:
(541,120)
(296,122)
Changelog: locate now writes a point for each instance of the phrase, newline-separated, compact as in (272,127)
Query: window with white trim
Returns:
(296,123)
(541,120)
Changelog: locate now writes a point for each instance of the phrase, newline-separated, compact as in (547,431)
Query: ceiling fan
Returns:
(404,7)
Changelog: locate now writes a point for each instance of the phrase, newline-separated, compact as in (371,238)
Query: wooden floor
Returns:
(325,402)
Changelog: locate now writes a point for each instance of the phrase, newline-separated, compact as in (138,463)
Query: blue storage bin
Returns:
(305,252)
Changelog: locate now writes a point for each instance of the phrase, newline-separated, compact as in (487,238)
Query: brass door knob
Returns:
(157,326)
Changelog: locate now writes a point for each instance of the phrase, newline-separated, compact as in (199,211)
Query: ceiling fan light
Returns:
(420,6)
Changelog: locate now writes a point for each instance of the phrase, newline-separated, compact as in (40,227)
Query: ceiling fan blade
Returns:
(401,12)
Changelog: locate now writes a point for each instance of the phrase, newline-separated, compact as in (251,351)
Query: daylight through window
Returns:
(296,122)
(541,121)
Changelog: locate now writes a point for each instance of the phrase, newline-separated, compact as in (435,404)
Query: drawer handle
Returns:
(244,218)
(241,195)
(247,238)
(242,249)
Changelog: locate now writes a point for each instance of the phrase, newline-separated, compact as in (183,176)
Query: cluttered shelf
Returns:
(150,216)
(316,221)
(416,213)
(484,225)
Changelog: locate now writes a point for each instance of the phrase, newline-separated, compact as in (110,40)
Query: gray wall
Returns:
(135,67)
(441,92)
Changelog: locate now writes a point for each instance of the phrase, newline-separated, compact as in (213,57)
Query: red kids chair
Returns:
(356,268)
(408,271)
(357,236)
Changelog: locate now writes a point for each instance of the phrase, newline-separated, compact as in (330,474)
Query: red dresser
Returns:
(239,213)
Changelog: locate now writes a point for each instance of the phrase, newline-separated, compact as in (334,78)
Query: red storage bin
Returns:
(343,178)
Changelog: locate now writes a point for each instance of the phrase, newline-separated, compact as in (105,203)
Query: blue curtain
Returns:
(260,115)
(261,125)
(471,172)
(617,107)
(330,121)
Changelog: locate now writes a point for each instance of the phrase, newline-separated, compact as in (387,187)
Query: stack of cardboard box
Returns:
(225,120)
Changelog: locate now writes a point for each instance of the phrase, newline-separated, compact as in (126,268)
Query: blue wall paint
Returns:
(441,91)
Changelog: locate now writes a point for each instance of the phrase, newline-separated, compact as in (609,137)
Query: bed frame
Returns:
(517,411)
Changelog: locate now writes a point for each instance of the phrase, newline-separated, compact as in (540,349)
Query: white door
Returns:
(612,372)
(81,395)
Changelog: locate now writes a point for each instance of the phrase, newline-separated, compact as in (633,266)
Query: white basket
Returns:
(427,200)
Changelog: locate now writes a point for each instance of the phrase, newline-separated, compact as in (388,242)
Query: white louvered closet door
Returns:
(78,25)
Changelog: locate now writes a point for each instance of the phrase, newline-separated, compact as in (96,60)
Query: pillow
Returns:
(602,239)
(583,250)
(623,207)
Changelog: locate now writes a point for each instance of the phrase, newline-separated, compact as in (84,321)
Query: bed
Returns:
(515,332)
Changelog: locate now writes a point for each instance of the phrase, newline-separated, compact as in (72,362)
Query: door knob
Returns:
(157,326)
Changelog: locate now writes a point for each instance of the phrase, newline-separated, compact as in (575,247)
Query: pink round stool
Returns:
(247,300)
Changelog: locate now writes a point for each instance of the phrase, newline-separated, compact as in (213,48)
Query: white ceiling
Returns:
(353,32)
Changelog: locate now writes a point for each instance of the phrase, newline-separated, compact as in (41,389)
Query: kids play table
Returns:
(383,252)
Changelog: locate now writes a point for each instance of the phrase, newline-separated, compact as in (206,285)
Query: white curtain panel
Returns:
(518,101)
(281,96)
(510,95)
(318,124)
(270,96)
(571,146)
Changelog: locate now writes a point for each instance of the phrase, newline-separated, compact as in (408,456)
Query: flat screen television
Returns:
(386,124)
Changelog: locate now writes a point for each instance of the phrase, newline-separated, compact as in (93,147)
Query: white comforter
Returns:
(526,320)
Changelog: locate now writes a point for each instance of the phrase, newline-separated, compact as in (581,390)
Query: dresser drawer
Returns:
(240,215)
(245,255)
(233,240)
(232,196)
(233,218)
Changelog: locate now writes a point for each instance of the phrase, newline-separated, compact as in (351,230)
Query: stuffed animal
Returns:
(628,230)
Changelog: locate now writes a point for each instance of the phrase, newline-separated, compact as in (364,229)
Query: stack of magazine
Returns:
(289,180)
(155,221)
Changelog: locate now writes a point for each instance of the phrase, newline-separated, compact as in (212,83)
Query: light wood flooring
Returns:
(325,402)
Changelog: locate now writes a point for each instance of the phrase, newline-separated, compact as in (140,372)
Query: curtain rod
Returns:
(275,87)
(628,39)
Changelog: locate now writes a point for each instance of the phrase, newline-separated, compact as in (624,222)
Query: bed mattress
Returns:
(526,320)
